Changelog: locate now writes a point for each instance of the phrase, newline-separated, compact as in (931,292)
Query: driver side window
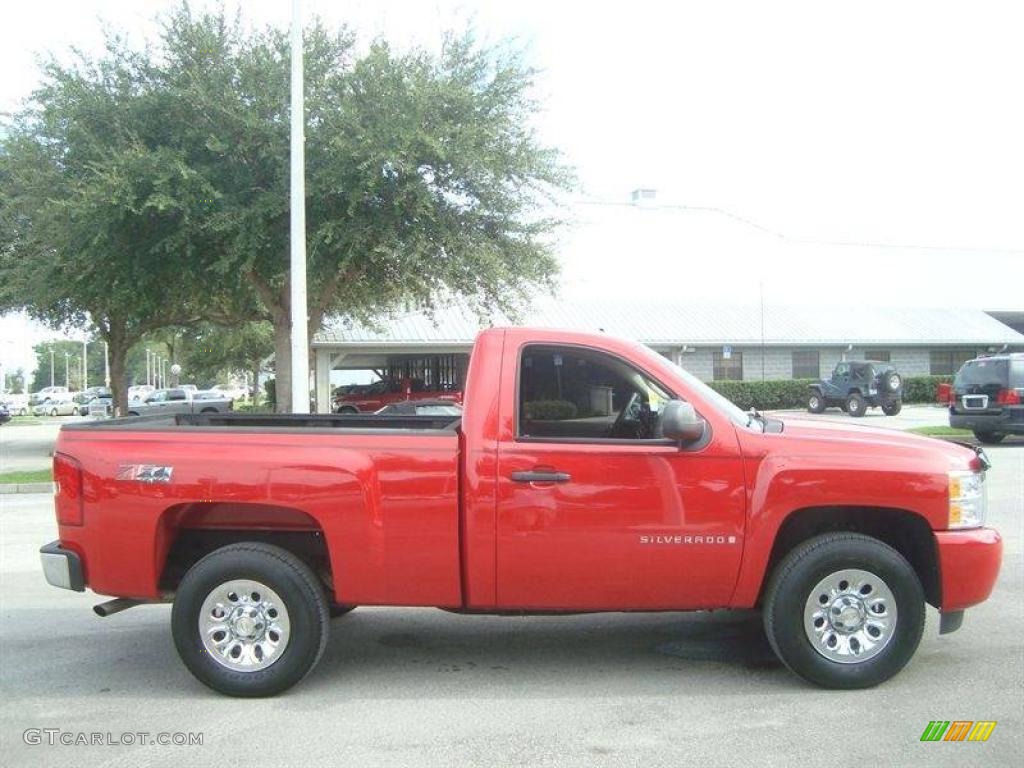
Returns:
(576,393)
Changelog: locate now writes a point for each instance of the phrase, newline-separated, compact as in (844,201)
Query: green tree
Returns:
(67,364)
(424,177)
(211,354)
(94,213)
(149,189)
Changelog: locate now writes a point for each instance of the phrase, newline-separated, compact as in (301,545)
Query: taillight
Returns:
(67,474)
(1008,397)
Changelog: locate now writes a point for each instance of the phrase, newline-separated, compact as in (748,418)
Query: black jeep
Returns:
(988,397)
(857,385)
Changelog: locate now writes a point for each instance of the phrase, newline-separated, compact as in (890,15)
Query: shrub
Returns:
(921,389)
(549,410)
(792,393)
(765,395)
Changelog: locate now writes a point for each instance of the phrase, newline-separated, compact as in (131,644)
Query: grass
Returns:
(27,476)
(941,431)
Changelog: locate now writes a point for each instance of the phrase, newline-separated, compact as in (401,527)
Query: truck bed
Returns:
(356,423)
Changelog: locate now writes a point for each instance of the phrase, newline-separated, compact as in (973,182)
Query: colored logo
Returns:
(958,730)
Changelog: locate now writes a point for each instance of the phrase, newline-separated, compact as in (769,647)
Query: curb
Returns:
(8,488)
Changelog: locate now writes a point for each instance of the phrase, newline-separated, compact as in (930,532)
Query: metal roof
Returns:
(689,323)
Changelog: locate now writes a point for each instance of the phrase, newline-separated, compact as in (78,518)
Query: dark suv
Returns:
(857,385)
(988,397)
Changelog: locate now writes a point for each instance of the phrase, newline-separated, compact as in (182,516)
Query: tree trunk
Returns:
(282,364)
(119,375)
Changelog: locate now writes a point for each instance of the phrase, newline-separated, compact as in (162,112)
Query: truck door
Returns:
(594,509)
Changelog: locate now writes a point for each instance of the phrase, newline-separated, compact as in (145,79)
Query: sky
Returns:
(861,153)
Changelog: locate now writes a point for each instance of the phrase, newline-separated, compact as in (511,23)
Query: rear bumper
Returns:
(1010,421)
(968,565)
(62,567)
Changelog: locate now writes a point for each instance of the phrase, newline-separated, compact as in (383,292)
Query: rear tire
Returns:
(347,410)
(869,603)
(856,405)
(279,623)
(816,402)
(892,408)
(989,438)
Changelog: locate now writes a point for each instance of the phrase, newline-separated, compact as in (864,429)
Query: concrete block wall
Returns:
(778,361)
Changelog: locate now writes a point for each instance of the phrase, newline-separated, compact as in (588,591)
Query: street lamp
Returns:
(85,365)
(149,371)
(106,365)
(67,370)
(51,365)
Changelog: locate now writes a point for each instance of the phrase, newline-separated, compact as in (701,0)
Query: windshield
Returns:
(717,400)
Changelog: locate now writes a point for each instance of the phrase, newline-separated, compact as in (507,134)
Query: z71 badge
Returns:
(145,473)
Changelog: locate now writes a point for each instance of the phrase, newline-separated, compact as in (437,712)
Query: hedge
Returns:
(549,410)
(792,393)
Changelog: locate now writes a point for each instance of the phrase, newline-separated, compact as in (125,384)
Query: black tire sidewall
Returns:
(304,601)
(788,598)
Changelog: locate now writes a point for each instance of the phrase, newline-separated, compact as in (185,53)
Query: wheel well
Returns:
(906,532)
(189,532)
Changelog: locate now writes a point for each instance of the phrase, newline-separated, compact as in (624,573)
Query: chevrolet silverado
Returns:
(585,474)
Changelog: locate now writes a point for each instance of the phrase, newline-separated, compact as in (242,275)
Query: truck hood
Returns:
(860,440)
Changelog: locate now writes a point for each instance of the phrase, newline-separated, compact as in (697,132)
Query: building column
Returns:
(323,365)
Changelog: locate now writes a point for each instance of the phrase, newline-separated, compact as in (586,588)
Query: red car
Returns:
(585,474)
(370,398)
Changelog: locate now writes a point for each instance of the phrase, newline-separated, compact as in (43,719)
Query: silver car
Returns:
(178,400)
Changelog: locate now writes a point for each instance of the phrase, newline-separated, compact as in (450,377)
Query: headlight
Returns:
(966,499)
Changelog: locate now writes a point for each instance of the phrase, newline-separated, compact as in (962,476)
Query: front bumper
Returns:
(62,567)
(969,563)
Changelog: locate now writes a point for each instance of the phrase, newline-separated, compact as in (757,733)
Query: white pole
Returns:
(51,366)
(300,321)
(85,365)
(148,376)
(67,371)
(106,365)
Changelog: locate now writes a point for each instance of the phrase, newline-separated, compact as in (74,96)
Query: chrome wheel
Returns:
(850,616)
(244,625)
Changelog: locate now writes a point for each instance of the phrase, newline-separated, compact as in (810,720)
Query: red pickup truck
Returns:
(585,474)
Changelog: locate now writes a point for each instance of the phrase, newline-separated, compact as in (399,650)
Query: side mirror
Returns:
(679,421)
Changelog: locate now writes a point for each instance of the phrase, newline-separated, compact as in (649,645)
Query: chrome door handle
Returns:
(541,476)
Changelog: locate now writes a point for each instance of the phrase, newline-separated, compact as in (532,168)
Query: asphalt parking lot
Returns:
(423,687)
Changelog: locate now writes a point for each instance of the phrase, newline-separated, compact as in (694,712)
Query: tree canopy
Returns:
(150,188)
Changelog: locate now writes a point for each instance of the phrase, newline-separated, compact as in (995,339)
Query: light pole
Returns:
(156,370)
(85,365)
(149,372)
(106,365)
(300,322)
(51,365)
(67,370)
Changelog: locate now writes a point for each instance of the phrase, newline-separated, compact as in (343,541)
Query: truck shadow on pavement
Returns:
(425,652)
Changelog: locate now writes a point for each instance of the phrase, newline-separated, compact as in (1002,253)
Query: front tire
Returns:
(844,610)
(989,438)
(250,619)
(856,405)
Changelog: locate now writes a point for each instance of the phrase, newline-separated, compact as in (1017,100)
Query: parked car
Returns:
(422,408)
(234,393)
(988,397)
(171,401)
(64,407)
(46,394)
(17,405)
(370,398)
(857,385)
(624,484)
(5,414)
(140,391)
